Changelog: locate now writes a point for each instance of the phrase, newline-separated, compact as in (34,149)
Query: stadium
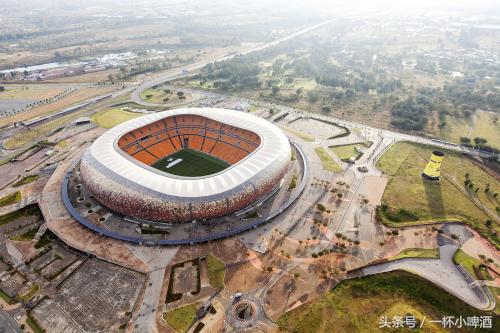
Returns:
(186,165)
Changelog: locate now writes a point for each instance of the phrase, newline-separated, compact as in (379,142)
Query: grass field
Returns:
(449,200)
(327,161)
(467,262)
(33,324)
(455,128)
(75,98)
(112,117)
(26,136)
(181,318)
(10,199)
(216,271)
(26,180)
(194,164)
(484,127)
(159,96)
(28,235)
(348,151)
(33,92)
(357,305)
(417,253)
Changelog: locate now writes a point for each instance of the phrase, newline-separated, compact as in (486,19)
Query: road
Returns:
(442,272)
(8,324)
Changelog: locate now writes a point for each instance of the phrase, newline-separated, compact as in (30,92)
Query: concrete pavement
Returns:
(8,324)
(444,273)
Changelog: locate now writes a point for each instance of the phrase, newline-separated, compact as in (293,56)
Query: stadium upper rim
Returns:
(273,150)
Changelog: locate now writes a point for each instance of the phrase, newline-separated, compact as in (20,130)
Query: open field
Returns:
(181,318)
(455,128)
(114,116)
(417,253)
(327,161)
(26,180)
(467,262)
(30,91)
(479,125)
(27,135)
(94,77)
(216,272)
(10,199)
(449,200)
(79,96)
(193,164)
(486,128)
(165,96)
(348,151)
(357,305)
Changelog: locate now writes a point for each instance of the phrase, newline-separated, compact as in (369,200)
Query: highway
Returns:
(8,324)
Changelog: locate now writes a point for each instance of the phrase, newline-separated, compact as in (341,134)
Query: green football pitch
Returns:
(193,164)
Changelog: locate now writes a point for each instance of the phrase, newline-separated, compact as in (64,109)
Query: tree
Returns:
(180,93)
(275,89)
(312,96)
(2,88)
(479,141)
(326,108)
(464,140)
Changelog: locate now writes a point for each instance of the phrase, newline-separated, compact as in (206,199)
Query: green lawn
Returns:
(28,235)
(496,293)
(467,262)
(26,180)
(455,128)
(357,305)
(194,164)
(10,199)
(484,127)
(216,271)
(448,200)
(417,253)
(5,297)
(327,161)
(26,297)
(346,152)
(47,238)
(33,324)
(159,96)
(112,117)
(181,318)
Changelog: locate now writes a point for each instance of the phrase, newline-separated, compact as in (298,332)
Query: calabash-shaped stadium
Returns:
(182,165)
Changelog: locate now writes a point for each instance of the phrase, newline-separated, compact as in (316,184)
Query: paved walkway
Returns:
(442,272)
(8,324)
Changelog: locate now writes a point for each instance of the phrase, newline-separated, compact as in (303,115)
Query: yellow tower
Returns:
(433,169)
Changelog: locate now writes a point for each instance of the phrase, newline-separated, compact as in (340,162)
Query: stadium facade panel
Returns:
(117,169)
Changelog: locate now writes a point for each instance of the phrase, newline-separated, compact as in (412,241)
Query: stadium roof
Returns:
(274,151)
